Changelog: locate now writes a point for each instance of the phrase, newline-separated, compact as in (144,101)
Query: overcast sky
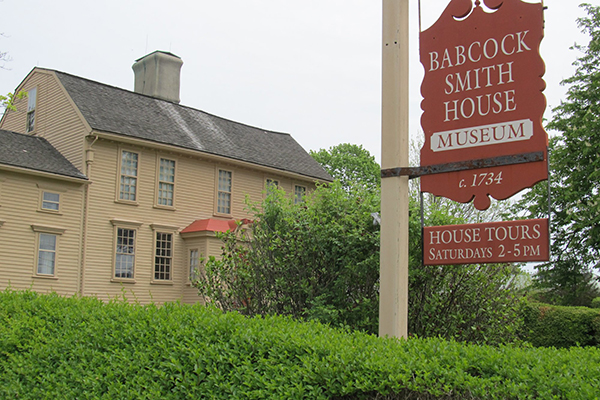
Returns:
(311,68)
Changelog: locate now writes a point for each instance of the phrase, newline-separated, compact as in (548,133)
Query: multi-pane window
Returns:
(271,185)
(125,253)
(50,201)
(224,192)
(299,193)
(31,102)
(163,258)
(194,263)
(166,182)
(46,254)
(129,173)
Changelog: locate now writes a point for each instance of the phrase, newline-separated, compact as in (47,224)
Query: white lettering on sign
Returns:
(455,236)
(482,75)
(476,78)
(518,232)
(467,107)
(525,240)
(448,255)
(510,44)
(485,135)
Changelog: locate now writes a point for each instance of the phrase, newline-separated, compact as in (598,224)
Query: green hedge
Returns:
(556,326)
(80,348)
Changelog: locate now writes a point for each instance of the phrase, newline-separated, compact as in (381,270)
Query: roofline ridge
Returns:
(166,101)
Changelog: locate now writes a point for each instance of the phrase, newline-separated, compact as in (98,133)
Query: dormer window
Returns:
(31,102)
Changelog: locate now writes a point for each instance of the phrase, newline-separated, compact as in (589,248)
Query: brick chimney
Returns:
(157,75)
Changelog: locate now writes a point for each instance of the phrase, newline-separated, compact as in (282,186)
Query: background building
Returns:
(104,190)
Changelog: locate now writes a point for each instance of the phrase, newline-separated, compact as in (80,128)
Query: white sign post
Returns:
(393,294)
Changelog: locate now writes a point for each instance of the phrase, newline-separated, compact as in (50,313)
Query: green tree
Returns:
(350,164)
(474,302)
(320,260)
(7,102)
(315,260)
(569,278)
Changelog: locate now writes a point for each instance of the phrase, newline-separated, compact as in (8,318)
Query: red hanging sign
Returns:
(483,98)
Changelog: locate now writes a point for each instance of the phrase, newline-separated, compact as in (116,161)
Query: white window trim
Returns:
(189,260)
(216,200)
(34,110)
(38,251)
(2,180)
(55,230)
(167,229)
(270,181)
(50,230)
(294,193)
(158,181)
(124,224)
(118,177)
(50,210)
(50,188)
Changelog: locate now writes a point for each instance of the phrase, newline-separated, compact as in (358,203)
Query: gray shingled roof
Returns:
(35,153)
(115,110)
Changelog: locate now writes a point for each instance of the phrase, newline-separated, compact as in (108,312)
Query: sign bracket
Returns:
(416,172)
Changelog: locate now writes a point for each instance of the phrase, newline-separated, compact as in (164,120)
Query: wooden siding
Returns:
(194,199)
(56,118)
(19,209)
(190,293)
(207,245)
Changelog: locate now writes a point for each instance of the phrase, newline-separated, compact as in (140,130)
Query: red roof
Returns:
(212,225)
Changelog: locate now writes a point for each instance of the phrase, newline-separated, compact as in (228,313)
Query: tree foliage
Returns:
(569,278)
(350,164)
(320,260)
(474,302)
(316,260)
(7,102)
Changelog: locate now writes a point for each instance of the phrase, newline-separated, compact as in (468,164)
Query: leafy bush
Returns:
(65,348)
(569,278)
(315,260)
(320,260)
(556,326)
(474,303)
(596,302)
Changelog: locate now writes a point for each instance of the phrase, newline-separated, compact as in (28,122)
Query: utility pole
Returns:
(393,294)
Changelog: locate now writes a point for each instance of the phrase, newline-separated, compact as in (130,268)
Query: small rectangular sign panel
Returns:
(493,242)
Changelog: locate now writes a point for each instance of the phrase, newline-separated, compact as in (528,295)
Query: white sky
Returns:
(311,68)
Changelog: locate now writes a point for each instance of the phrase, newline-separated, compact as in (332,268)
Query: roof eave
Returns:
(118,137)
(45,174)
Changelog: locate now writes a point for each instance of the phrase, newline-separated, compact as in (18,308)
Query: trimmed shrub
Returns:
(319,260)
(80,348)
(596,302)
(557,326)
